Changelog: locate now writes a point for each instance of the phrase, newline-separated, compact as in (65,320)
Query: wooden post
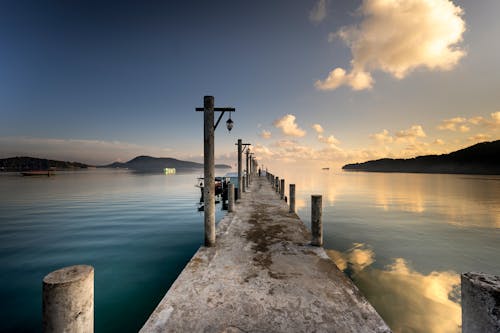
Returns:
(230,198)
(277,184)
(480,302)
(240,167)
(282,189)
(209,171)
(247,173)
(316,220)
(244,183)
(292,198)
(68,300)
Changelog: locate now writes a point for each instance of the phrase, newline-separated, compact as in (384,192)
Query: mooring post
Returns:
(282,189)
(68,300)
(292,198)
(247,173)
(480,302)
(230,198)
(240,182)
(316,220)
(277,184)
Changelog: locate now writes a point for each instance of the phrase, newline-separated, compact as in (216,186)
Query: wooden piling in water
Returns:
(292,198)
(282,189)
(240,168)
(68,300)
(230,198)
(316,220)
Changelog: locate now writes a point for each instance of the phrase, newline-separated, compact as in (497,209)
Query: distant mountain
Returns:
(25,163)
(482,158)
(148,163)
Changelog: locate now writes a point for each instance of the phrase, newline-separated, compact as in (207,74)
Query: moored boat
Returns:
(38,173)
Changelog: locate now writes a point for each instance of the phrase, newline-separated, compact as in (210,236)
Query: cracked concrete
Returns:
(263,276)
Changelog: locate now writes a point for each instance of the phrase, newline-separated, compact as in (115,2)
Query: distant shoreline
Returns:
(480,159)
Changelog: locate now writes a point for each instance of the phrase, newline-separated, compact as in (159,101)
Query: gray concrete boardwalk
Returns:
(263,276)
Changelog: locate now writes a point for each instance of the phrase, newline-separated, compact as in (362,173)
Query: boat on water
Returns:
(325,168)
(218,184)
(169,171)
(38,173)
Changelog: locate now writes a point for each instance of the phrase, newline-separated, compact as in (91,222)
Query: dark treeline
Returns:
(31,163)
(482,158)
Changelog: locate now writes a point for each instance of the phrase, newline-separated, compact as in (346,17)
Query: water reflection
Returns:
(459,200)
(409,301)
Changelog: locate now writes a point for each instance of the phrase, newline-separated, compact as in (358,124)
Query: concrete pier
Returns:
(263,275)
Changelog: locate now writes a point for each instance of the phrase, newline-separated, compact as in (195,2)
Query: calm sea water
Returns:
(403,238)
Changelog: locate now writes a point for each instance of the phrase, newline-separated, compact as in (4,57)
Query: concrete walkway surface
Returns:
(263,276)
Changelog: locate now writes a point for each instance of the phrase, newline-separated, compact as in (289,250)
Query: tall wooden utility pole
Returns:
(209,165)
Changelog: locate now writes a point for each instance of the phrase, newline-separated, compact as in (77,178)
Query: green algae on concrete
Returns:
(263,276)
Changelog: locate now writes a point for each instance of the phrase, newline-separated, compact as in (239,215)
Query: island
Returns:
(482,158)
(25,163)
(158,164)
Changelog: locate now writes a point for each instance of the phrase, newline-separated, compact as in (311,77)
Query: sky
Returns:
(314,82)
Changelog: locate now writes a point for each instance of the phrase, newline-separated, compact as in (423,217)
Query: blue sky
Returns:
(98,81)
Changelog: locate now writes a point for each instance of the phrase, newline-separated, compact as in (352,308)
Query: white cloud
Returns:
(397,37)
(451,124)
(288,126)
(331,140)
(481,137)
(357,80)
(494,122)
(382,137)
(411,134)
(438,142)
(318,12)
(265,134)
(318,128)
(464,128)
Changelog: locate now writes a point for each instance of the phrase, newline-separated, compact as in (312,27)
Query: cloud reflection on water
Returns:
(409,301)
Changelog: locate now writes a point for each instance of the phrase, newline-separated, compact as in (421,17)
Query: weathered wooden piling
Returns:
(480,303)
(316,220)
(68,300)
(240,168)
(277,185)
(282,189)
(292,198)
(230,198)
(243,183)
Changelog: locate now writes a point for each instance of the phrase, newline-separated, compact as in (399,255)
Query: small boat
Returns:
(169,171)
(218,184)
(325,168)
(38,173)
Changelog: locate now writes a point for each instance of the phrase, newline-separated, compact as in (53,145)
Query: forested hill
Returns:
(148,163)
(482,158)
(25,163)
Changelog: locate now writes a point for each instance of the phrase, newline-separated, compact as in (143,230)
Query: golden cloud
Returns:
(397,37)
(288,126)
(265,134)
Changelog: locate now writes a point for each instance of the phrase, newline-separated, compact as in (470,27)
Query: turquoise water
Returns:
(137,230)
(403,239)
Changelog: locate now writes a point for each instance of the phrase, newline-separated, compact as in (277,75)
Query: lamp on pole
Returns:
(208,163)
